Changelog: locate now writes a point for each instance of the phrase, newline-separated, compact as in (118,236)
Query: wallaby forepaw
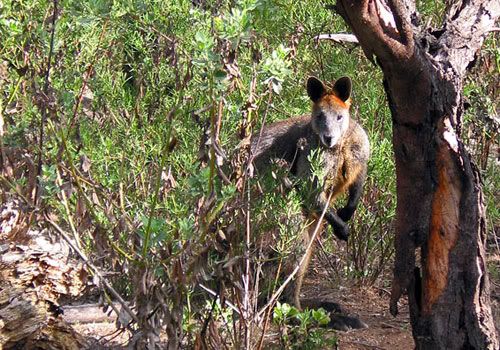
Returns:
(342,232)
(345,214)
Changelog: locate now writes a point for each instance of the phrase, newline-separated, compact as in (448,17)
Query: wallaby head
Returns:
(330,112)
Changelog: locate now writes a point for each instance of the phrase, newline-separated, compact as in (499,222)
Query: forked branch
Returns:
(382,27)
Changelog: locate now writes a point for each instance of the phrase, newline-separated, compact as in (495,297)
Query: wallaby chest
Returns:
(340,165)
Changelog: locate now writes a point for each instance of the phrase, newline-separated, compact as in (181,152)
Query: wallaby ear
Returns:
(315,88)
(342,88)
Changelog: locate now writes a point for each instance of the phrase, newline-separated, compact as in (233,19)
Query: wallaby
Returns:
(345,151)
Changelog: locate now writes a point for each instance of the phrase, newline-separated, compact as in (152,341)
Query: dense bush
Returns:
(145,109)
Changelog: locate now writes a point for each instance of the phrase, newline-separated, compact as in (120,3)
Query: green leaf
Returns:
(321,317)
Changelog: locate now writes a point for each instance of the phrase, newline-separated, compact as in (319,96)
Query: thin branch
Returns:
(261,130)
(280,290)
(15,188)
(96,271)
(227,302)
(44,107)
(66,207)
(338,38)
(246,277)
(165,153)
(88,71)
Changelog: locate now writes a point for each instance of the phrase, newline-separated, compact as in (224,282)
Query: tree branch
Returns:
(338,38)
(383,28)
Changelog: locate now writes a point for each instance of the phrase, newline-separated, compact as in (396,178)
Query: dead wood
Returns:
(34,274)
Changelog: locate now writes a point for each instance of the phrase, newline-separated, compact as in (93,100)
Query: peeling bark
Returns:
(445,215)
(440,230)
(34,274)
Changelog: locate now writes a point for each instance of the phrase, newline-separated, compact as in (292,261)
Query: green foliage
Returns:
(482,127)
(317,161)
(433,10)
(276,67)
(137,91)
(300,330)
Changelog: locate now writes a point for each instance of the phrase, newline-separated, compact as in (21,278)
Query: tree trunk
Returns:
(440,219)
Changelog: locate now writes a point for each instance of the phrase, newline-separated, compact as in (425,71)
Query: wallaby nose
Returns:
(328,141)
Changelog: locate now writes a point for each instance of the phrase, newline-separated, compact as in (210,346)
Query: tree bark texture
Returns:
(34,274)
(440,217)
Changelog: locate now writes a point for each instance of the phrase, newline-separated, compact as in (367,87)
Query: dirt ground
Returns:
(369,303)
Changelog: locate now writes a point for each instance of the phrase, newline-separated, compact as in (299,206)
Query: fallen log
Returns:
(34,274)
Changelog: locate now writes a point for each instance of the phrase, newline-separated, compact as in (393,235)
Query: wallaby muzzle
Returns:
(329,141)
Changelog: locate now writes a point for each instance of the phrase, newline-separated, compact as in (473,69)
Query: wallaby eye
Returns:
(339,117)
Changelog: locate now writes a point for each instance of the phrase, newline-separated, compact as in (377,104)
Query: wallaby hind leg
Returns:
(292,292)
(340,318)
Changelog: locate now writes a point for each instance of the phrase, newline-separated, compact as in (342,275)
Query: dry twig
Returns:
(96,271)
